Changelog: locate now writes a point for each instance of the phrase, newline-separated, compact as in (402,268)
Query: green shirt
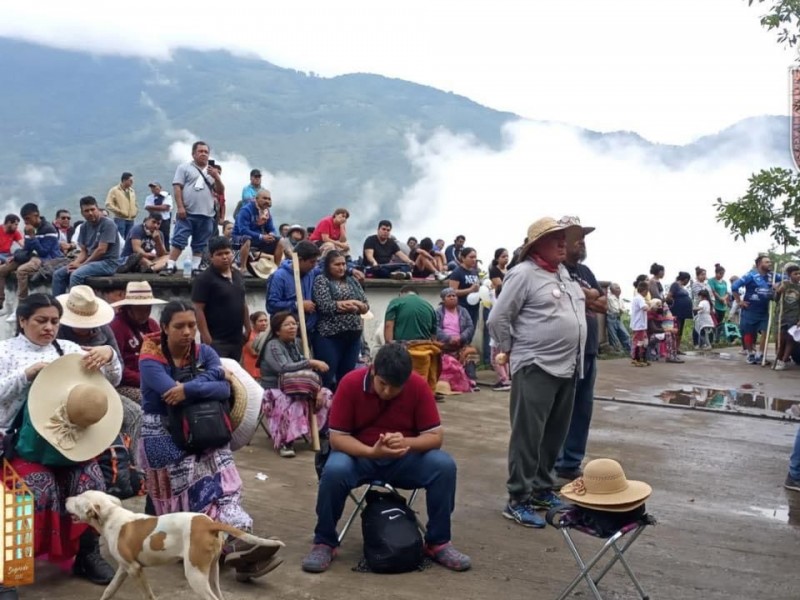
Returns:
(414,318)
(791,305)
(720,287)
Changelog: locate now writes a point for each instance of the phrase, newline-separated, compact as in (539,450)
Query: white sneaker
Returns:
(780,365)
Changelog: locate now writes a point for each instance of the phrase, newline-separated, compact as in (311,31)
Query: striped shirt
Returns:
(540,318)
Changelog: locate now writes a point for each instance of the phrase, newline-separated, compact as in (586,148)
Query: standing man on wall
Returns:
(568,465)
(121,204)
(539,321)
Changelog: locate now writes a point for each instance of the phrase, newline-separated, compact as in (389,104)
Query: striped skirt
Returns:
(208,483)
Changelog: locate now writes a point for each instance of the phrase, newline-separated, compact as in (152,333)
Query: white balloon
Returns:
(484,293)
(473,298)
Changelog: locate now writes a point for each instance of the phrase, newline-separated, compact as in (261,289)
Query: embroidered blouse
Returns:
(19,353)
(157,378)
(326,293)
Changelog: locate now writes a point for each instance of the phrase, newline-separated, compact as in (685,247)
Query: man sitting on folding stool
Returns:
(384,426)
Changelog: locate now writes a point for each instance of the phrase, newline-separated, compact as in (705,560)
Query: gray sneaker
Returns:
(319,559)
(792,484)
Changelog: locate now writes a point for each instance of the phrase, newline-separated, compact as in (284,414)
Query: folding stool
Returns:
(565,518)
(361,501)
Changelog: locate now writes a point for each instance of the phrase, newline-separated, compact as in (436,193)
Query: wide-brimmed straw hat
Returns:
(263,267)
(443,388)
(138,293)
(577,222)
(84,310)
(76,411)
(545,226)
(605,487)
(247,402)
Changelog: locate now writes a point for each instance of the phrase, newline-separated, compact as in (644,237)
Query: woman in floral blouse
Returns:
(340,302)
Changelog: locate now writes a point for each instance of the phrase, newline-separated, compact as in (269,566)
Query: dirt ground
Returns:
(727,529)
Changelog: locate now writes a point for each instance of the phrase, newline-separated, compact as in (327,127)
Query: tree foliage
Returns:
(783,18)
(771,203)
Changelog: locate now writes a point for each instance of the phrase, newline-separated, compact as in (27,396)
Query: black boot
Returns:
(89,564)
(8,593)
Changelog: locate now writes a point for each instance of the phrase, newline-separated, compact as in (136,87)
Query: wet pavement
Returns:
(727,529)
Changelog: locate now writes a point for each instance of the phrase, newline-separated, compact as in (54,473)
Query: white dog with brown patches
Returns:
(137,541)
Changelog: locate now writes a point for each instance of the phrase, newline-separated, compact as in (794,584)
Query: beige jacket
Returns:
(120,205)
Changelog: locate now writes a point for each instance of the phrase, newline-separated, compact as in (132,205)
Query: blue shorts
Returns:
(753,323)
(199,227)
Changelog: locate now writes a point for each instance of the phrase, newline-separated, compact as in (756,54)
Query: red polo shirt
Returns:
(7,239)
(356,404)
(326,225)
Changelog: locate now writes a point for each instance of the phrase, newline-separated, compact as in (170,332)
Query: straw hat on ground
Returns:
(76,411)
(264,266)
(84,310)
(443,388)
(546,226)
(138,293)
(605,487)
(247,401)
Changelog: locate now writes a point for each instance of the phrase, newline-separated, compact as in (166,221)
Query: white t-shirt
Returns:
(151,201)
(638,313)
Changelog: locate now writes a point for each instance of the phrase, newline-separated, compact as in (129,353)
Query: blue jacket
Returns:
(281,293)
(758,291)
(45,242)
(247,223)
(464,323)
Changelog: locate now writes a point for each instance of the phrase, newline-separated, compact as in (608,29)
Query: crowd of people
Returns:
(539,305)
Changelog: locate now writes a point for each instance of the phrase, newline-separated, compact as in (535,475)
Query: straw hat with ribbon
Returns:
(546,226)
(138,293)
(263,267)
(76,411)
(605,487)
(84,310)
(246,409)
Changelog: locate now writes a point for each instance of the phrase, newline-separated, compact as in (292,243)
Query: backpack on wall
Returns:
(392,540)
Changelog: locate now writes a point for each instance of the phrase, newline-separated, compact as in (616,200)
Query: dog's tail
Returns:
(247,537)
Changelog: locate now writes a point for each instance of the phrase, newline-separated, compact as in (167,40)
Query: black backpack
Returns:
(392,540)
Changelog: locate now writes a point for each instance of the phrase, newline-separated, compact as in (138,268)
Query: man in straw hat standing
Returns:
(540,322)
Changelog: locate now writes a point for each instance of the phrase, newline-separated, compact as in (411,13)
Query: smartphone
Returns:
(213,163)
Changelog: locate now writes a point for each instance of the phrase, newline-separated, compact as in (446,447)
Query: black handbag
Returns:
(198,426)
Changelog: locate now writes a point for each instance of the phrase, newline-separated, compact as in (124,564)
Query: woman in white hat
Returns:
(22,358)
(175,369)
(131,323)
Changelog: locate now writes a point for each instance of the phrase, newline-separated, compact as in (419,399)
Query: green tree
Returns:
(783,18)
(771,203)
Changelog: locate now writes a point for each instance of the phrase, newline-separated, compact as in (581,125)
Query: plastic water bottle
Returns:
(187,268)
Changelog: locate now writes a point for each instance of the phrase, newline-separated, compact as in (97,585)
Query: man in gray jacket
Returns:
(539,322)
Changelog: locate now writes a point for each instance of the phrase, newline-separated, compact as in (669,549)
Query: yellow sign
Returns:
(16,523)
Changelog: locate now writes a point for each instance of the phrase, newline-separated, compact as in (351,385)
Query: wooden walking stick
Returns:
(769,328)
(779,297)
(301,316)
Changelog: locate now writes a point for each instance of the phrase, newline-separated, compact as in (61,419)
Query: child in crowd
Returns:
(639,324)
(260,323)
(790,313)
(703,321)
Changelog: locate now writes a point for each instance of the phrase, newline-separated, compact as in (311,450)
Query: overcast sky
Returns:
(670,71)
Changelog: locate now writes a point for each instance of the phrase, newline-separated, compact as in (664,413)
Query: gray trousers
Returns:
(541,408)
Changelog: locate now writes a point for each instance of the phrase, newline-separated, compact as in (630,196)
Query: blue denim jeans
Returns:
(63,280)
(794,462)
(618,336)
(434,470)
(123,226)
(199,227)
(574,449)
(340,353)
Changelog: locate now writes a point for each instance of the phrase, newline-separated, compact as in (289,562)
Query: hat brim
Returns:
(263,269)
(103,316)
(637,491)
(526,249)
(446,391)
(246,412)
(50,390)
(138,302)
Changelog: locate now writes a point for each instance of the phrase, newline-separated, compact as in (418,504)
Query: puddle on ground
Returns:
(784,514)
(743,400)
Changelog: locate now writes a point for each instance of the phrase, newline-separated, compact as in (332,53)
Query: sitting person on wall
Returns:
(291,382)
(174,369)
(454,329)
(294,235)
(660,329)
(254,224)
(331,232)
(132,322)
(426,262)
(144,250)
(22,358)
(384,425)
(259,323)
(99,244)
(382,256)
